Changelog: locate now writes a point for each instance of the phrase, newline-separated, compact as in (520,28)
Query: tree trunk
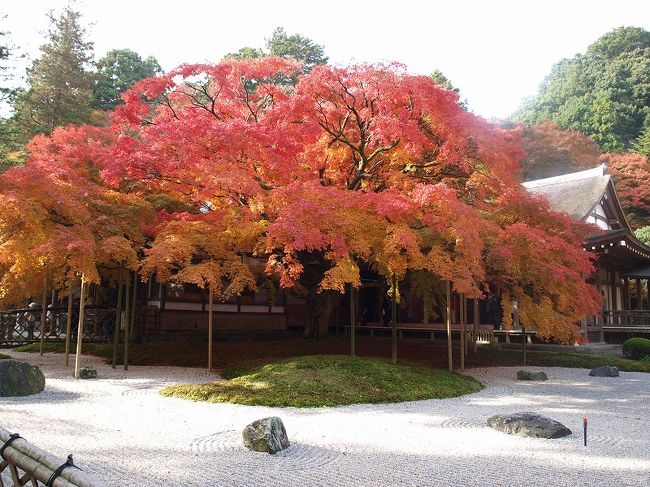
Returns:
(319,310)
(133,329)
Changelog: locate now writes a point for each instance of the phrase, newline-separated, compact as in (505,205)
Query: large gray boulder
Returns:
(528,375)
(20,379)
(528,424)
(604,371)
(267,434)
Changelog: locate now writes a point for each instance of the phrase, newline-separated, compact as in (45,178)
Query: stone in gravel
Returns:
(528,375)
(528,424)
(267,434)
(86,373)
(604,371)
(20,379)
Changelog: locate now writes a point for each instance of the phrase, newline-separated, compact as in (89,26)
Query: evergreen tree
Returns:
(604,93)
(117,71)
(60,82)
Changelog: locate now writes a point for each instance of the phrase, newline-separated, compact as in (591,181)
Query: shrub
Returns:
(636,348)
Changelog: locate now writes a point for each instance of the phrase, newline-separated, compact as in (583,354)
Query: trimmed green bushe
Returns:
(329,380)
(636,348)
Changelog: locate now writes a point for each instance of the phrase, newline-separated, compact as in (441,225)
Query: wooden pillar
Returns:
(353,320)
(639,294)
(477,321)
(210,307)
(450,362)
(68,326)
(394,317)
(80,326)
(627,304)
(127,304)
(43,313)
(118,319)
(461,299)
(133,303)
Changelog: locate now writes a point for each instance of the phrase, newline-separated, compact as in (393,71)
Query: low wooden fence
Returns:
(22,463)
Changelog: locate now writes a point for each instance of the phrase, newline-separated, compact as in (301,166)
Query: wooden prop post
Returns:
(210,306)
(68,326)
(43,313)
(133,303)
(450,361)
(462,332)
(80,327)
(394,318)
(126,323)
(118,320)
(477,319)
(353,319)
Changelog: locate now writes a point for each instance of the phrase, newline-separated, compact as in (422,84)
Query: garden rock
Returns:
(267,435)
(528,375)
(604,371)
(20,379)
(528,424)
(86,373)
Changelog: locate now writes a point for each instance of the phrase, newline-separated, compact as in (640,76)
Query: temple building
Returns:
(623,261)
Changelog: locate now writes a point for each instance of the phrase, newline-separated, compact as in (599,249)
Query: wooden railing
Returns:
(21,326)
(22,463)
(629,319)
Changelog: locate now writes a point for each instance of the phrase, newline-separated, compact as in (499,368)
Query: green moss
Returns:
(2,356)
(329,380)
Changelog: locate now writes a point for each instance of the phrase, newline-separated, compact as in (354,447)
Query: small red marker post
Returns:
(584,428)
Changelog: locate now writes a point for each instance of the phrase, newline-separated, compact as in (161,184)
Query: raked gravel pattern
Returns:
(122,432)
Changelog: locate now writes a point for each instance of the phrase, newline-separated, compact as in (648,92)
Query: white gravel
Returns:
(124,433)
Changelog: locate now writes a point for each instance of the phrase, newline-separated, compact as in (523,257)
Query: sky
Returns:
(496,52)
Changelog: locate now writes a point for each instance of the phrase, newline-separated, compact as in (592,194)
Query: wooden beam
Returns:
(461,299)
(353,320)
(477,321)
(118,319)
(394,318)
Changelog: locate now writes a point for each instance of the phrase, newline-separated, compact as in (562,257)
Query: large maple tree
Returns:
(362,166)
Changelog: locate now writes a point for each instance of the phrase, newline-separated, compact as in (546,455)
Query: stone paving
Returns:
(122,432)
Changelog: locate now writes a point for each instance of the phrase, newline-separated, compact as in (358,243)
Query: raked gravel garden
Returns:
(123,432)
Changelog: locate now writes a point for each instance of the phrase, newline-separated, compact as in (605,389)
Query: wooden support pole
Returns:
(80,326)
(133,303)
(118,319)
(43,313)
(461,299)
(450,360)
(639,294)
(210,302)
(127,309)
(394,318)
(353,320)
(477,321)
(68,326)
